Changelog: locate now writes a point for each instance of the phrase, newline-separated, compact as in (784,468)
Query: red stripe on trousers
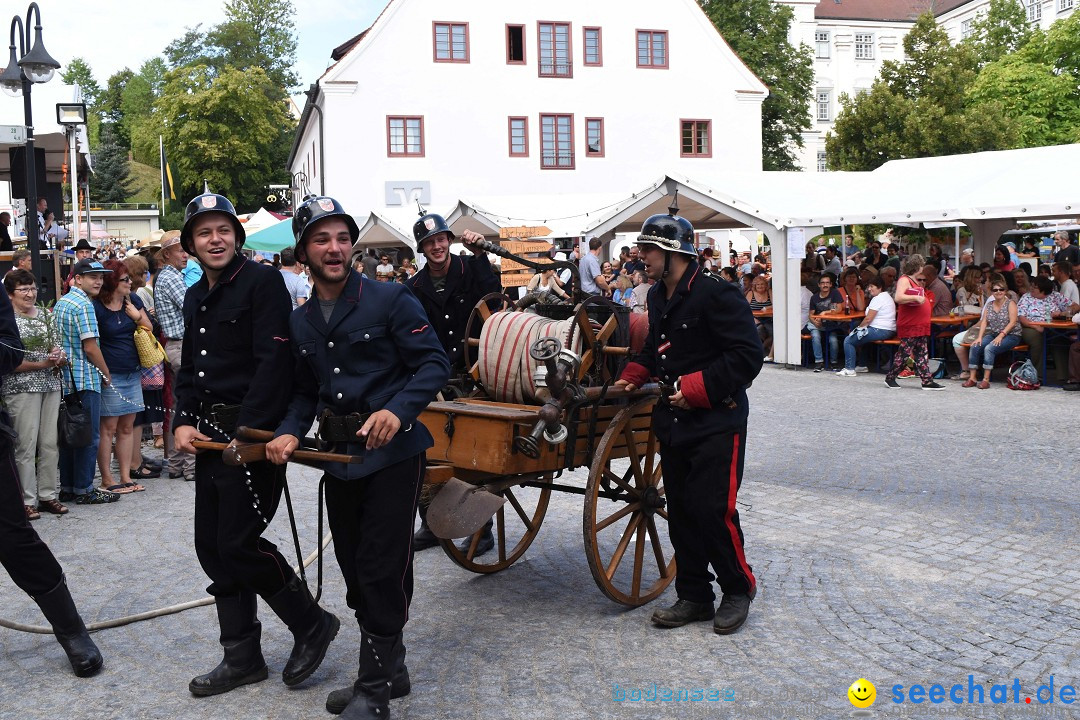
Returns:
(729,513)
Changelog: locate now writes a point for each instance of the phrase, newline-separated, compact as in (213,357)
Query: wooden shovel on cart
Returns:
(459,509)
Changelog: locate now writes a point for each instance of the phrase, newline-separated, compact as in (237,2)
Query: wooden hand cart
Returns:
(512,451)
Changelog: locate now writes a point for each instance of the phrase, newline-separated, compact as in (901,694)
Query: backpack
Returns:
(1023,376)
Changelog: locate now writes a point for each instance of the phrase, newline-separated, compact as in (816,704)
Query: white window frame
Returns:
(864,46)
(1034,11)
(1064,5)
(967,28)
(823,105)
(823,44)
(822,161)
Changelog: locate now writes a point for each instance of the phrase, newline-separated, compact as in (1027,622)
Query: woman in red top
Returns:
(913,306)
(854,297)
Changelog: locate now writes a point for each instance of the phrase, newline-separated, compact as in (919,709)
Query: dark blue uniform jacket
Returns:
(378,351)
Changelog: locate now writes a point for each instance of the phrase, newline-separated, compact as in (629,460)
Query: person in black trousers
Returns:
(703,341)
(367,363)
(26,558)
(235,370)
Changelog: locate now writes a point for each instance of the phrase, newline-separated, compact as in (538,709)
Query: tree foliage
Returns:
(222,127)
(1003,29)
(78,72)
(757,30)
(110,183)
(918,108)
(256,33)
(1037,87)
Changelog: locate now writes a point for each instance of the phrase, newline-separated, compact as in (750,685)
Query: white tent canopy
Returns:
(384,229)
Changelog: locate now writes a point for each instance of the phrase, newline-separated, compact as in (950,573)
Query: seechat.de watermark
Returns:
(973,693)
(660,693)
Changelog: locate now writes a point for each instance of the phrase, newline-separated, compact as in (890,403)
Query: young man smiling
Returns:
(235,370)
(367,363)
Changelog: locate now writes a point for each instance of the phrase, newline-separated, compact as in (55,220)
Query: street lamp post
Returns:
(36,66)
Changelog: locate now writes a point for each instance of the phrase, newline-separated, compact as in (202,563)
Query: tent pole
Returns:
(843,245)
(956,255)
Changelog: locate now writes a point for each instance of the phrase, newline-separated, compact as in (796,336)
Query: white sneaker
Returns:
(844,372)
(861,369)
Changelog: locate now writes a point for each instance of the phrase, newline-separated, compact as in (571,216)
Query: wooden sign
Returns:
(516,279)
(524,232)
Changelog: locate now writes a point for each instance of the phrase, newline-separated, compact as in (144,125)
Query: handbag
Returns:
(150,351)
(153,378)
(73,421)
(971,335)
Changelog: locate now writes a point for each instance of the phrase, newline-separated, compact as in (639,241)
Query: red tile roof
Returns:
(887,10)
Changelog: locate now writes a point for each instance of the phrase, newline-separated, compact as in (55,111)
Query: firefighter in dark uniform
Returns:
(23,554)
(702,340)
(235,369)
(367,363)
(448,287)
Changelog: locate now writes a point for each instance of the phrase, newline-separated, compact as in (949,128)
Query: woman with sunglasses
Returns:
(999,332)
(119,312)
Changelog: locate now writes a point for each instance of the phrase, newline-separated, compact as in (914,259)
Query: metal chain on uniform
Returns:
(256,504)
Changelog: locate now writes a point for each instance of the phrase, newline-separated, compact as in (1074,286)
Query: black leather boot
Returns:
(732,612)
(59,609)
(423,538)
(400,685)
(682,613)
(483,545)
(243,663)
(371,691)
(312,627)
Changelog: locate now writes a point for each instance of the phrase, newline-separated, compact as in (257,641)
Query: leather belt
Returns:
(340,428)
(221,416)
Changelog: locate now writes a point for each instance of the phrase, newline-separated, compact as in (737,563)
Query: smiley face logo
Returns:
(862,693)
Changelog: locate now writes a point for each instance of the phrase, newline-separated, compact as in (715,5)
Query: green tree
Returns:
(226,127)
(259,33)
(1037,87)
(78,72)
(757,30)
(934,70)
(919,108)
(110,182)
(111,106)
(1003,29)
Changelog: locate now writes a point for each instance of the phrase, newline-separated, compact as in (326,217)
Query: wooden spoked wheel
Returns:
(515,526)
(602,367)
(625,519)
(480,315)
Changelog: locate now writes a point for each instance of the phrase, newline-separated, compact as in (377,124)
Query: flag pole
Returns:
(161,169)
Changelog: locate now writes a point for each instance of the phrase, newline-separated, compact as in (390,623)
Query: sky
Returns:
(113,34)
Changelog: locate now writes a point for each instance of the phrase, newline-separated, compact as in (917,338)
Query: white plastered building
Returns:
(439,101)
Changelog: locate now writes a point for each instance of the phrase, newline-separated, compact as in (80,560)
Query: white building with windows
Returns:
(440,101)
(852,38)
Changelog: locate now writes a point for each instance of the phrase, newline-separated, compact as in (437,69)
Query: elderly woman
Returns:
(760,298)
(999,332)
(1021,280)
(32,396)
(879,324)
(854,297)
(624,289)
(969,301)
(119,312)
(913,309)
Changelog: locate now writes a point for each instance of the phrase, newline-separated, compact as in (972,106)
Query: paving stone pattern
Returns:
(901,536)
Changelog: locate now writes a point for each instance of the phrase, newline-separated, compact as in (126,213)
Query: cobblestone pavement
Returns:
(901,536)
